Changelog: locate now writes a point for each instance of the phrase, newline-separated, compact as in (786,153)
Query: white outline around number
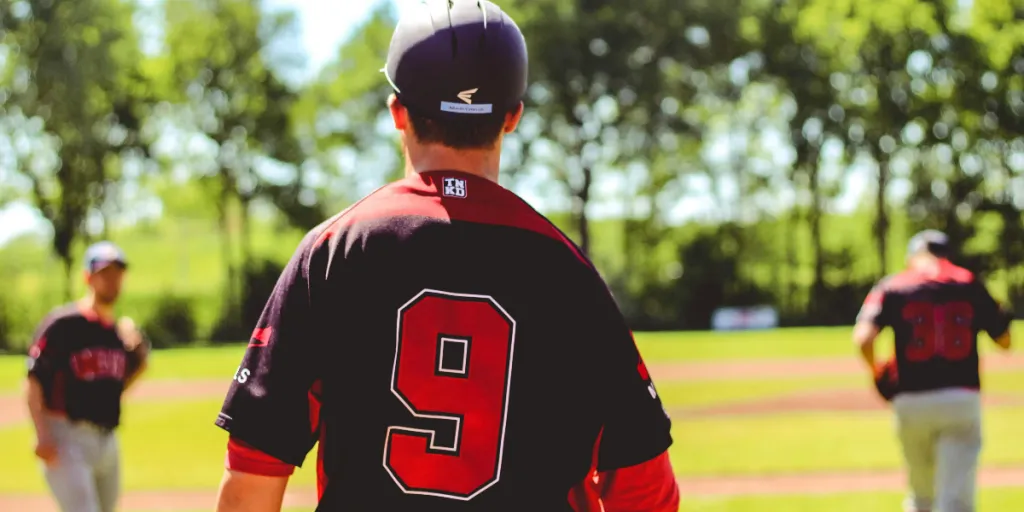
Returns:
(458,422)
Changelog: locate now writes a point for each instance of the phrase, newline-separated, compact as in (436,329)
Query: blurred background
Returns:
(727,164)
(703,153)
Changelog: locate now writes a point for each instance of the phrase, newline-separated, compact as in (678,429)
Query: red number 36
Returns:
(453,362)
(940,330)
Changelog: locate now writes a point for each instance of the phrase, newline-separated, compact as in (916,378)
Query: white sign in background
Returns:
(748,318)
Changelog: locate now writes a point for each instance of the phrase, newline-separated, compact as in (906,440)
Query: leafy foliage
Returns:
(718,139)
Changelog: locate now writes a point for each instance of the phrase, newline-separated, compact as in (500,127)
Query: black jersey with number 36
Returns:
(936,321)
(450,350)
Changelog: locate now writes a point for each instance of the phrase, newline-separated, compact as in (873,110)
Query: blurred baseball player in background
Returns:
(936,310)
(448,347)
(79,366)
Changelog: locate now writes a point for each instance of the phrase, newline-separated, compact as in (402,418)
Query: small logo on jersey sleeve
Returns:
(454,187)
(641,368)
(261,336)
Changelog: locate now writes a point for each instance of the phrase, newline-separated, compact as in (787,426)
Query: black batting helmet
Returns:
(457,58)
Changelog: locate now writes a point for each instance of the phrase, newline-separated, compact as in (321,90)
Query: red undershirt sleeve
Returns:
(649,486)
(244,458)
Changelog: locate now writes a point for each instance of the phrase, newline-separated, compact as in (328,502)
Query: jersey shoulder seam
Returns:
(568,242)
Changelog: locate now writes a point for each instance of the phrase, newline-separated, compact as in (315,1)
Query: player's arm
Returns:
(870,322)
(632,458)
(993,318)
(137,347)
(1004,341)
(43,361)
(46,448)
(253,481)
(268,410)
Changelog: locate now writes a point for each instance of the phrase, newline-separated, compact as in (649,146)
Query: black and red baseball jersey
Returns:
(450,349)
(81,364)
(936,320)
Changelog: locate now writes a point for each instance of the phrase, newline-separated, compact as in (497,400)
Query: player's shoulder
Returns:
(956,274)
(64,313)
(948,274)
(395,199)
(442,197)
(897,283)
(58,318)
(887,282)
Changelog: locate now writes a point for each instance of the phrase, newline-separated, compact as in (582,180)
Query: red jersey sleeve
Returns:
(872,310)
(271,404)
(649,487)
(991,316)
(45,357)
(246,459)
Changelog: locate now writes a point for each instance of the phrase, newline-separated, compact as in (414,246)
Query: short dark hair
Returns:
(476,133)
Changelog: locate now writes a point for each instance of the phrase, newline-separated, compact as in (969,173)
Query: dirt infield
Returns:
(789,368)
(802,483)
(826,400)
(153,501)
(827,483)
(12,411)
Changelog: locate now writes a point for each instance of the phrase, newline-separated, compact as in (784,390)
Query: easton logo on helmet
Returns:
(467,96)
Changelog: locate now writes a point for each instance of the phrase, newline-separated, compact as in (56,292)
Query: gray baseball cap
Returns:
(103,254)
(929,241)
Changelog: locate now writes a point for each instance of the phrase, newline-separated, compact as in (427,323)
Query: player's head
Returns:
(458,70)
(105,265)
(928,245)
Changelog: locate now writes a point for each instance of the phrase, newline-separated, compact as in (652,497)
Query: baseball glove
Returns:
(135,343)
(887,380)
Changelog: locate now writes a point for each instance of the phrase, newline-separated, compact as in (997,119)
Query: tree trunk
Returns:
(583,199)
(814,219)
(66,260)
(792,265)
(224,224)
(245,233)
(882,216)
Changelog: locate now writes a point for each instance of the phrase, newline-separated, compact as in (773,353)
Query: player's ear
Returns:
(399,114)
(512,118)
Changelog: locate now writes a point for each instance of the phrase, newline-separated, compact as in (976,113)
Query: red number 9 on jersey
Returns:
(940,329)
(453,362)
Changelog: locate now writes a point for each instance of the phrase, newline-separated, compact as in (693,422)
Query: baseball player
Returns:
(936,310)
(79,366)
(446,345)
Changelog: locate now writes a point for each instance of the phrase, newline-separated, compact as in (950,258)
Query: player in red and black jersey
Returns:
(80,364)
(445,345)
(936,310)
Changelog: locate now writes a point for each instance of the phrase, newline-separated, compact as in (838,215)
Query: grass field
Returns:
(171,444)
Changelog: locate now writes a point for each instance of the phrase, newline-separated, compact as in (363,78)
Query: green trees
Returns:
(74,102)
(702,153)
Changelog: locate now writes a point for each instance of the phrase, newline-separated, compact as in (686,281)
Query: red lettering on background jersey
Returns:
(37,348)
(943,330)
(98,364)
(470,391)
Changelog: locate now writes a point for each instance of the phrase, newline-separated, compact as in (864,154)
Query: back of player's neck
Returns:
(102,310)
(482,163)
(927,266)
